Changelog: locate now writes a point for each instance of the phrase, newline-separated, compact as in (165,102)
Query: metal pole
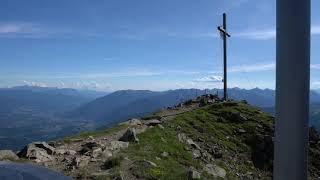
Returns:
(292,89)
(225,95)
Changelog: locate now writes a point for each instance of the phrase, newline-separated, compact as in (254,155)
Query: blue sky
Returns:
(142,44)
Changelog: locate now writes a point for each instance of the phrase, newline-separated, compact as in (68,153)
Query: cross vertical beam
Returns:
(224,34)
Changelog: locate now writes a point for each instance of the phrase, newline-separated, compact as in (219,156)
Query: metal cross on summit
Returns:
(224,35)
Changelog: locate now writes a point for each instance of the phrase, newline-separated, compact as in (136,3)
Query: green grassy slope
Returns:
(233,136)
(218,126)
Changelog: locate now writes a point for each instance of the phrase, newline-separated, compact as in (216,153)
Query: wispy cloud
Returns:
(34,83)
(108,59)
(315,66)
(252,68)
(131,73)
(10,28)
(91,85)
(209,79)
(316,83)
(262,67)
(143,35)
(267,34)
(81,84)
(38,31)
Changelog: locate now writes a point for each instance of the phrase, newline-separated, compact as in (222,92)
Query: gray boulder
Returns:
(129,136)
(96,152)
(38,151)
(193,174)
(88,147)
(117,145)
(215,171)
(164,154)
(193,144)
(8,155)
(60,151)
(80,162)
(196,153)
(241,131)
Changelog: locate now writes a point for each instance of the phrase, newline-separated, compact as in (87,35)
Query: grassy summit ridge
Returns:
(199,139)
(226,133)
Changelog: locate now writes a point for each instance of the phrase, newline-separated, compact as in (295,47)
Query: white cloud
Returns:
(29,30)
(10,28)
(91,85)
(34,83)
(210,79)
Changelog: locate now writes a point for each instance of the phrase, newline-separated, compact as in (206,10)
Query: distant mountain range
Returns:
(32,113)
(124,104)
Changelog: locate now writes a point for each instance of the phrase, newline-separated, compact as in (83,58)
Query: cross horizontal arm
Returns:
(224,31)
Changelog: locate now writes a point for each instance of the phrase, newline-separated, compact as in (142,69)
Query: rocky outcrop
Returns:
(193,174)
(88,148)
(38,152)
(184,139)
(130,136)
(117,145)
(216,152)
(215,171)
(8,155)
(80,162)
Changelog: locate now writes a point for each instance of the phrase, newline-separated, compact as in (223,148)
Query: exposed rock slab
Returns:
(215,170)
(8,155)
